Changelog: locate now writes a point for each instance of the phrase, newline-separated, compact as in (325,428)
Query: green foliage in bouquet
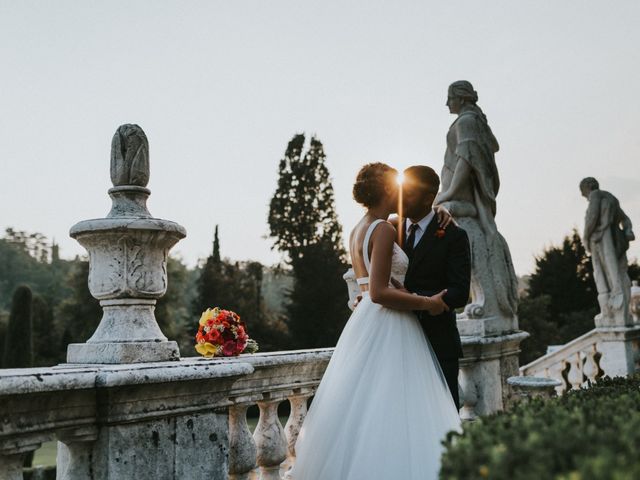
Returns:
(586,434)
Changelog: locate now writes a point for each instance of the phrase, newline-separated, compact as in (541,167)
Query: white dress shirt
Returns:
(422,227)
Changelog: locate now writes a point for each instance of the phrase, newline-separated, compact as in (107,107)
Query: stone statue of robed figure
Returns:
(470,184)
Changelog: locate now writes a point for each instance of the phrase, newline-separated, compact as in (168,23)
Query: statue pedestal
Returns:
(620,350)
(128,333)
(486,326)
(611,318)
(487,364)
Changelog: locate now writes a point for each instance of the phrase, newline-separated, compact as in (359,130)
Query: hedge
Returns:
(588,434)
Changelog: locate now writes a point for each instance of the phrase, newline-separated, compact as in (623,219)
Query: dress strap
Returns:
(367,237)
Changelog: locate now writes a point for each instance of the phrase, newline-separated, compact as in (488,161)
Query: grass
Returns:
(46,455)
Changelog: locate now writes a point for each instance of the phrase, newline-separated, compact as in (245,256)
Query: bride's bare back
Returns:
(356,249)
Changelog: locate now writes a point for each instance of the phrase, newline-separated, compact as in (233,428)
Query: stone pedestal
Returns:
(620,350)
(487,364)
(527,388)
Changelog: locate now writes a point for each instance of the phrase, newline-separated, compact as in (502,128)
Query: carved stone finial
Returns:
(128,252)
(129,156)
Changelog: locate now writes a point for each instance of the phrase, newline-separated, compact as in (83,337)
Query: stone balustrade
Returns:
(574,365)
(602,351)
(184,419)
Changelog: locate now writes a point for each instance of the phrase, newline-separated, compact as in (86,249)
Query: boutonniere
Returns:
(440,233)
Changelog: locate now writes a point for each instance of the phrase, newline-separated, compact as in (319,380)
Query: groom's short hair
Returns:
(424,176)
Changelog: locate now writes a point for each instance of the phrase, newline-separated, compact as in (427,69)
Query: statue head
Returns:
(130,157)
(459,93)
(588,185)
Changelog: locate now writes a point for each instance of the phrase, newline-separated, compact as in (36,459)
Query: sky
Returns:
(220,87)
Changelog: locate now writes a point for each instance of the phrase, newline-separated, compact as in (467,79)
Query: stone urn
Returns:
(128,253)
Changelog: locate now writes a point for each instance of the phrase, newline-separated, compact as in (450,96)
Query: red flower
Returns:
(213,336)
(229,348)
(440,233)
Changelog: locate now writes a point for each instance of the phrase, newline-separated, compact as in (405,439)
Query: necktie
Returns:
(411,239)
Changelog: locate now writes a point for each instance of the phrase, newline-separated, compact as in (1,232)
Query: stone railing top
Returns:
(562,353)
(477,348)
(287,357)
(493,339)
(533,382)
(78,377)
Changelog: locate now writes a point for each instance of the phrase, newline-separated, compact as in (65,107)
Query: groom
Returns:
(438,259)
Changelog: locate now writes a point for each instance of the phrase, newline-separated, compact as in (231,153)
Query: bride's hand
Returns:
(444,216)
(436,304)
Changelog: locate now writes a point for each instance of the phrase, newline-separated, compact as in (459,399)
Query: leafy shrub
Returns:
(589,434)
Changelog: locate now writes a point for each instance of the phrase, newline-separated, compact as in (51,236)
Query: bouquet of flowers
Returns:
(223,334)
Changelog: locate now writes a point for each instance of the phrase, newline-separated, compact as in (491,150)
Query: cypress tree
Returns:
(305,227)
(209,283)
(45,342)
(18,350)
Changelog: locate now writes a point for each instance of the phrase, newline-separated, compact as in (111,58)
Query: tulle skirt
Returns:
(383,406)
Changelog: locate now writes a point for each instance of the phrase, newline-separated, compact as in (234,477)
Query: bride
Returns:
(383,406)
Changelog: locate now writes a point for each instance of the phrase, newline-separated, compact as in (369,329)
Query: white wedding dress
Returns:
(383,407)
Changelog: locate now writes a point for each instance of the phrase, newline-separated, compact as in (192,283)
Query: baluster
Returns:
(575,376)
(242,447)
(270,440)
(469,394)
(12,459)
(592,366)
(298,402)
(75,447)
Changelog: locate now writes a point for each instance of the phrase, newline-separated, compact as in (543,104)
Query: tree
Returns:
(18,349)
(46,350)
(173,309)
(565,273)
(304,225)
(209,285)
(237,286)
(302,210)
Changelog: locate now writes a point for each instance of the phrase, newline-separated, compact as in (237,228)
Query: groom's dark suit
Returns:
(437,263)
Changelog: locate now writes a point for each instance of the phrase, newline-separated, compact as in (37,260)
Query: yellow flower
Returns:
(207,349)
(206,315)
(484,471)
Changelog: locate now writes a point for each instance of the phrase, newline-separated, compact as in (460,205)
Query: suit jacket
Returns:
(439,263)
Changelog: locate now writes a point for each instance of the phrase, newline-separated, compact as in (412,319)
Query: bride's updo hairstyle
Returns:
(371,182)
